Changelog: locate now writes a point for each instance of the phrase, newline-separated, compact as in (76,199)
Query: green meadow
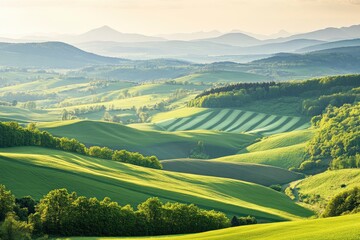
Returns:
(43,170)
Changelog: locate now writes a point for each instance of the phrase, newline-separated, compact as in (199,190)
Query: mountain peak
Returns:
(102,29)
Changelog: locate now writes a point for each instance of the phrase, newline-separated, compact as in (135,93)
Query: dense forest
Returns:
(338,137)
(315,94)
(12,134)
(60,213)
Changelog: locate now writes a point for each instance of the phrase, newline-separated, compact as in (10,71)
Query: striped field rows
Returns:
(235,121)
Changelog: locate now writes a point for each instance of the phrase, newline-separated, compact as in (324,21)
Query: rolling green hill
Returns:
(326,185)
(283,150)
(164,145)
(256,173)
(35,171)
(344,227)
(235,121)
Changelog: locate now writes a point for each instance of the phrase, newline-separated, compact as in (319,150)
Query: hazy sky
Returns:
(170,16)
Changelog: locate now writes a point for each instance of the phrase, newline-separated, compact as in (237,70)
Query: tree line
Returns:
(337,138)
(316,94)
(12,134)
(61,213)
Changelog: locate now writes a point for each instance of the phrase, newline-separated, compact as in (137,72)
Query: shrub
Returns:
(344,203)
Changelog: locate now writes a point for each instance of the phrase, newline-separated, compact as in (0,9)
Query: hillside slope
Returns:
(344,227)
(256,173)
(283,150)
(35,171)
(326,185)
(162,144)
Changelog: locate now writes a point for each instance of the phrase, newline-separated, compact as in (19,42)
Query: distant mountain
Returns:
(336,44)
(190,36)
(106,33)
(280,34)
(49,55)
(234,39)
(342,60)
(330,34)
(163,49)
(289,46)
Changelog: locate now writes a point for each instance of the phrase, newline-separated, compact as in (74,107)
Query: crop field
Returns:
(335,228)
(235,121)
(35,171)
(165,145)
(256,173)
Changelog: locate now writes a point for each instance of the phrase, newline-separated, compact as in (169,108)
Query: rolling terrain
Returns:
(317,190)
(283,150)
(256,173)
(165,145)
(344,227)
(43,170)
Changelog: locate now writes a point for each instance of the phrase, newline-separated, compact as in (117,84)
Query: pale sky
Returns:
(21,17)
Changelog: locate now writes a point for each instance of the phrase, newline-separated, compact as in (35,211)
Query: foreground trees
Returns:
(65,214)
(12,134)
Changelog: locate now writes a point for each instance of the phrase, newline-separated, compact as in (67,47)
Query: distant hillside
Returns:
(340,59)
(336,44)
(49,55)
(288,46)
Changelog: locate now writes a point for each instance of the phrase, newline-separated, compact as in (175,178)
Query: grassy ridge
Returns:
(35,171)
(164,145)
(283,150)
(344,227)
(231,120)
(260,174)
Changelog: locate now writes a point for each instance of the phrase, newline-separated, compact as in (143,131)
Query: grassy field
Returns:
(256,173)
(283,150)
(344,227)
(165,145)
(232,120)
(328,184)
(35,171)
(221,77)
